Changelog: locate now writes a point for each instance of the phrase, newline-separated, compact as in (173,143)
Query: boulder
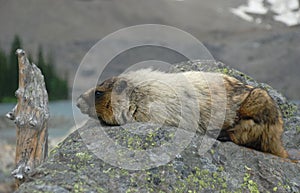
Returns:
(97,158)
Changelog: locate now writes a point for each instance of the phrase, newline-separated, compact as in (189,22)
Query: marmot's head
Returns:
(98,102)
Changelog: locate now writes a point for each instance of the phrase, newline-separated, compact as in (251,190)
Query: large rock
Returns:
(75,164)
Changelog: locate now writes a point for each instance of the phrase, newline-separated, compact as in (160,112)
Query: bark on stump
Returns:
(31,116)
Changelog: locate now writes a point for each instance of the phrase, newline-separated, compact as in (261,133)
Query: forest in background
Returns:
(56,86)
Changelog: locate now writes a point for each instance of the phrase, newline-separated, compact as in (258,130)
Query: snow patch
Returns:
(285,11)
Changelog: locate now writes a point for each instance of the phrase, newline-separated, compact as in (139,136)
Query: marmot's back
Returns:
(216,97)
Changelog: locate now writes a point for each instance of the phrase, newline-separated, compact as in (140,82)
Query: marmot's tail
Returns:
(260,124)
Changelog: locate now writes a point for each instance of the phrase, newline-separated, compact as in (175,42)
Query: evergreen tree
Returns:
(57,87)
(41,61)
(30,58)
(3,74)
(51,75)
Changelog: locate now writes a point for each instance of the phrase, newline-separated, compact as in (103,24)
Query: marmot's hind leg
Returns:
(260,124)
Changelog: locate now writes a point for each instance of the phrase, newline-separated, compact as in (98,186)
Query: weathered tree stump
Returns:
(31,116)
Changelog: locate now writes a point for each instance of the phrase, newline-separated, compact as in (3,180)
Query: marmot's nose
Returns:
(78,104)
(79,101)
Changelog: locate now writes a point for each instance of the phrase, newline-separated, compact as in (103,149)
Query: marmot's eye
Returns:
(99,94)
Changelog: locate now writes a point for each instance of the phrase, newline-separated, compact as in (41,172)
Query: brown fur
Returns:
(252,117)
(260,124)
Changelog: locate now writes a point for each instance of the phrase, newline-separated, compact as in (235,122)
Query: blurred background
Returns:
(57,34)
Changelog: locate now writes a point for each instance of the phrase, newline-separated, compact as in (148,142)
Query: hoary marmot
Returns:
(250,116)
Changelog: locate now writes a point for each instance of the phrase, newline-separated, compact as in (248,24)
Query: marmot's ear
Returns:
(120,86)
